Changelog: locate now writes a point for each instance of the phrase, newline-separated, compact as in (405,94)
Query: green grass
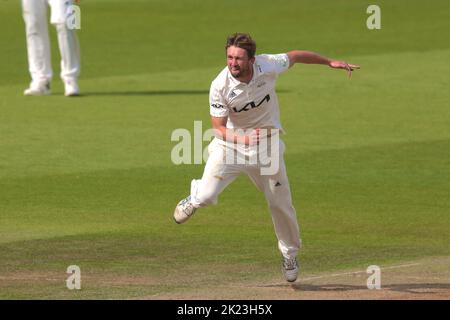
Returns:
(88,181)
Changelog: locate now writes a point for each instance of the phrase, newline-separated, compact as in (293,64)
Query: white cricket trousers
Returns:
(218,175)
(38,45)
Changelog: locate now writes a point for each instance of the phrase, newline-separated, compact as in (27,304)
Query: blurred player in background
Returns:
(38,46)
(243,97)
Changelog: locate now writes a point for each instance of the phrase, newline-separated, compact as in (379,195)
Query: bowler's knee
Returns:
(281,206)
(34,26)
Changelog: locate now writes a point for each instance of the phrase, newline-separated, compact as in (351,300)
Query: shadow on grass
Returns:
(413,288)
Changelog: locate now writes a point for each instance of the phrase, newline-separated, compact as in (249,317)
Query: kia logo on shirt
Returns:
(252,105)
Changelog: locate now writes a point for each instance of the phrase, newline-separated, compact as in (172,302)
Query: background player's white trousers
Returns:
(218,175)
(38,45)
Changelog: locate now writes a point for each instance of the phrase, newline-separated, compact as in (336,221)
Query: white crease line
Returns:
(29,278)
(339,274)
(357,272)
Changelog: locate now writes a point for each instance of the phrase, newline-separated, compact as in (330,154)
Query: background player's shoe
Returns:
(290,269)
(184,210)
(71,88)
(38,89)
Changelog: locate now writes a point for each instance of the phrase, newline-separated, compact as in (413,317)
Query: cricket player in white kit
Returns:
(243,97)
(38,46)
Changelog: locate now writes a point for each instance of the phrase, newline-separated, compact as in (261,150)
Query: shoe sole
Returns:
(176,221)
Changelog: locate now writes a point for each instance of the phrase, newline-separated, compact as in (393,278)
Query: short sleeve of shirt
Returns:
(274,63)
(217,104)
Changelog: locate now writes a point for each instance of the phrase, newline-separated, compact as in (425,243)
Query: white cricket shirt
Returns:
(253,105)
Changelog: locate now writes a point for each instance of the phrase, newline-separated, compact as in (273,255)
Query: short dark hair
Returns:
(243,41)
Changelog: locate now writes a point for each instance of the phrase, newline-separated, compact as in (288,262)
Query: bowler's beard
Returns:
(240,73)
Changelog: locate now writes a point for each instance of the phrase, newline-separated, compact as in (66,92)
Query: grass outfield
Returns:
(89,181)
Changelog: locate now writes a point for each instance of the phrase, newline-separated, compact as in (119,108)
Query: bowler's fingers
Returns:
(350,68)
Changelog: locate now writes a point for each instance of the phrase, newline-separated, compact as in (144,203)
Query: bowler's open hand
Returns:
(344,65)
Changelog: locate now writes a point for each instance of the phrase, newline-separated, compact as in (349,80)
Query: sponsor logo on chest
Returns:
(253,104)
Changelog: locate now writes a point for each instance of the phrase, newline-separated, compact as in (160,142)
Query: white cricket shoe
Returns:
(71,88)
(38,89)
(290,269)
(184,210)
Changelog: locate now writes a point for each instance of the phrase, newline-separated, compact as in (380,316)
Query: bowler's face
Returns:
(238,62)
